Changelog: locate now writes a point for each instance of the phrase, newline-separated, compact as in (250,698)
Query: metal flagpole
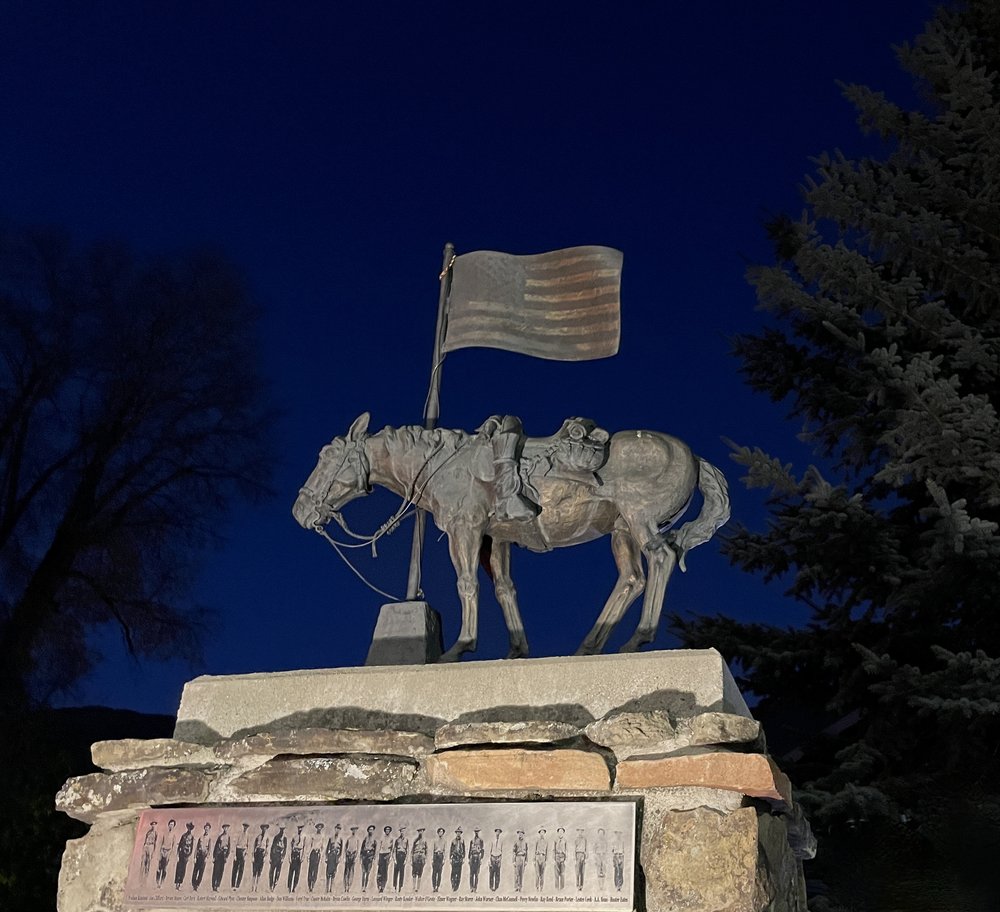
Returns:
(432,410)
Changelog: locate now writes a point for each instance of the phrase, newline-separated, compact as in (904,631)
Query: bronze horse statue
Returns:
(645,484)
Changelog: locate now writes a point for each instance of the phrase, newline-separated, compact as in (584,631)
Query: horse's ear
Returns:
(360,426)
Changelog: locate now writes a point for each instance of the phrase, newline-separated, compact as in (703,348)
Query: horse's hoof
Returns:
(520,651)
(587,650)
(456,652)
(635,644)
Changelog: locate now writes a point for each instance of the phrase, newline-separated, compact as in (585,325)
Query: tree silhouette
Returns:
(884,338)
(131,415)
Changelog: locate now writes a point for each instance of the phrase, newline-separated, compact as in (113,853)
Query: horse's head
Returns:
(340,476)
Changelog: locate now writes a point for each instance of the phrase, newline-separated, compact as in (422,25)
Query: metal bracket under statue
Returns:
(495,488)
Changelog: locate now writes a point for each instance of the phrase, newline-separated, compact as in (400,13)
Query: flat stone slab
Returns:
(723,728)
(324,779)
(634,732)
(750,774)
(322,741)
(465,733)
(577,690)
(133,754)
(84,797)
(513,769)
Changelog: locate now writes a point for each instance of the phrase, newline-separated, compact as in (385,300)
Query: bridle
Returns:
(356,455)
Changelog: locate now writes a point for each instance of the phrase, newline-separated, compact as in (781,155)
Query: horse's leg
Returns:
(660,561)
(630,584)
(506,594)
(464,543)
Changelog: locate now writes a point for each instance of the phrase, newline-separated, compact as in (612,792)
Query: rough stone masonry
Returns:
(719,829)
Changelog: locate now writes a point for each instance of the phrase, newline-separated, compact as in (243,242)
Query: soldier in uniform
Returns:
(334,849)
(148,848)
(559,851)
(601,857)
(201,852)
(261,844)
(350,858)
(185,847)
(220,855)
(418,858)
(315,853)
(369,847)
(240,858)
(456,853)
(541,857)
(520,860)
(496,857)
(476,852)
(618,859)
(384,854)
(437,859)
(400,849)
(279,845)
(166,847)
(580,851)
(295,859)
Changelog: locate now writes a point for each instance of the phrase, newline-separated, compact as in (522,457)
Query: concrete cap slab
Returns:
(576,690)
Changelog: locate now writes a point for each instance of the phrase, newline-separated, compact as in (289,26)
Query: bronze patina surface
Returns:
(576,486)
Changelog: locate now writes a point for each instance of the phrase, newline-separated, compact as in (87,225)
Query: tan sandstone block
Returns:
(135,753)
(84,797)
(519,770)
(705,861)
(750,774)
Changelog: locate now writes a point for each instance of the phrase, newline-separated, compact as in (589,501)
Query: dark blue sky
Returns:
(332,148)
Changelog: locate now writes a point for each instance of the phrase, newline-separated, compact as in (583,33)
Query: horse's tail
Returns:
(714,512)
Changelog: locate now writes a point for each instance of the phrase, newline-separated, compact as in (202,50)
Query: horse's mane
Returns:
(405,440)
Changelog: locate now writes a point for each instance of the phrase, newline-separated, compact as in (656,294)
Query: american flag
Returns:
(563,305)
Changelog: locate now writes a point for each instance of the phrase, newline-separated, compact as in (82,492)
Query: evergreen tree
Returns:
(883,337)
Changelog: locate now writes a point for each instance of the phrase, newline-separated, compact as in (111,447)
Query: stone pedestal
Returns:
(576,690)
(717,824)
(406,633)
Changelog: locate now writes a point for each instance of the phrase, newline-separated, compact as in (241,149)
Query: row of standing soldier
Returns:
(381,853)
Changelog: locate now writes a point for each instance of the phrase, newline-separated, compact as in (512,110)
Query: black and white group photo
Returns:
(344,856)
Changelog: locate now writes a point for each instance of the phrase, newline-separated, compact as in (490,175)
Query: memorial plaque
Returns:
(525,855)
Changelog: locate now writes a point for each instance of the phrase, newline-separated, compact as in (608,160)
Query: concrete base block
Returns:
(575,690)
(406,633)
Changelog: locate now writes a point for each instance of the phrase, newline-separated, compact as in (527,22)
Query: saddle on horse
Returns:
(575,452)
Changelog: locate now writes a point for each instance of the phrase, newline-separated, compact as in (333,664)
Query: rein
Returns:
(406,509)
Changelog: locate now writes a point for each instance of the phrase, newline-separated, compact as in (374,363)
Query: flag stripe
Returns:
(584,294)
(603,314)
(540,306)
(590,275)
(560,259)
(563,305)
(577,327)
(568,348)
